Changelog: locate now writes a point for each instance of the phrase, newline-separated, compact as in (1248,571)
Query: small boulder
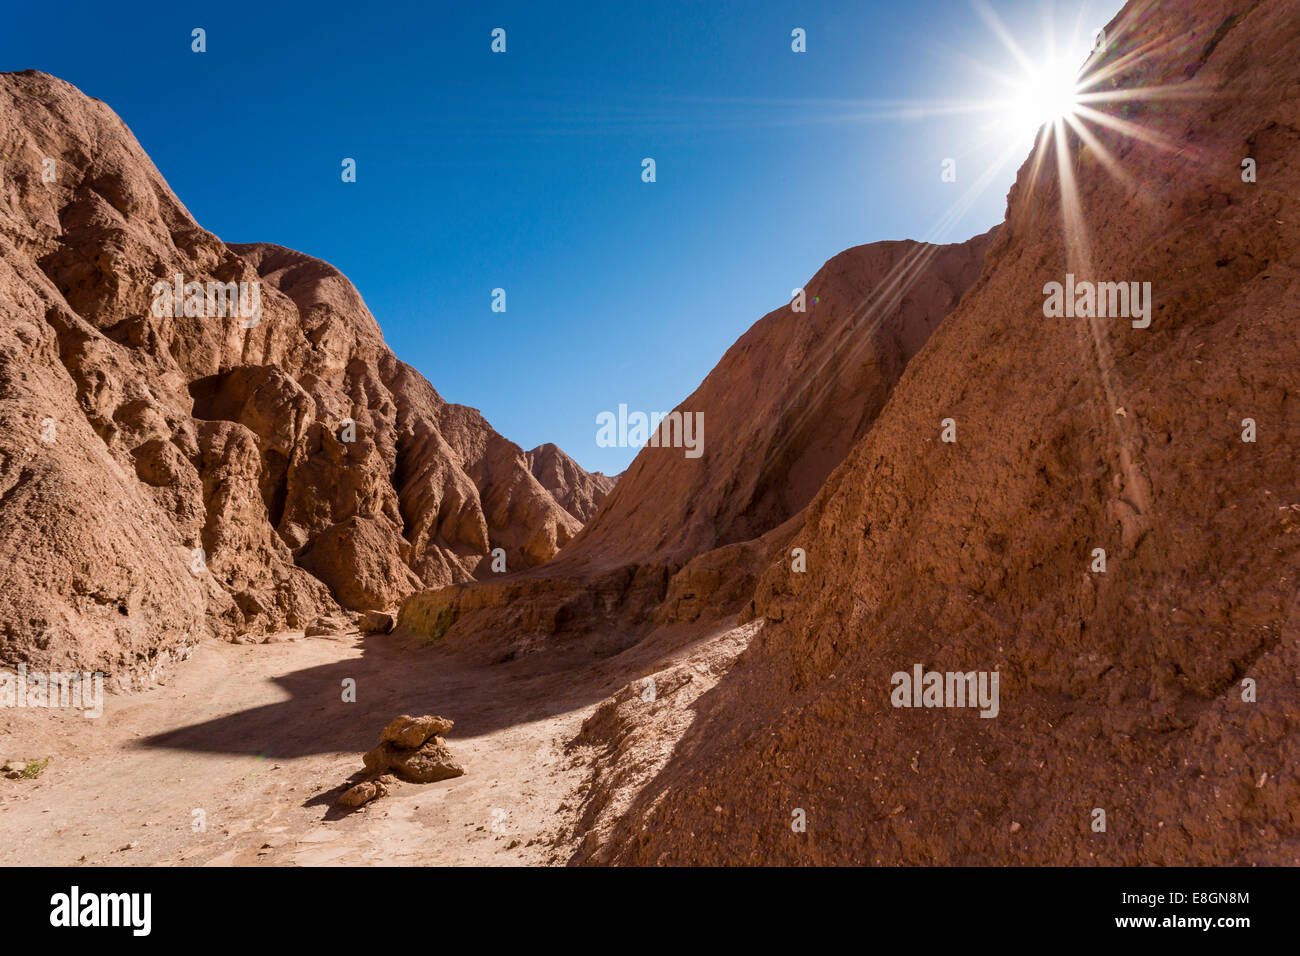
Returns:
(432,762)
(380,622)
(379,759)
(328,626)
(409,732)
(362,793)
(413,749)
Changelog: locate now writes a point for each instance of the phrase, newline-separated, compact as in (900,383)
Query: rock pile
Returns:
(410,748)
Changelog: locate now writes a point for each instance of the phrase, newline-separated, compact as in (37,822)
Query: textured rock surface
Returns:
(1119,691)
(128,441)
(679,537)
(378,622)
(412,749)
(410,732)
(431,762)
(784,405)
(362,793)
(579,492)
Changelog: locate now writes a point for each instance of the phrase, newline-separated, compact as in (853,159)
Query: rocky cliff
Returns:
(684,535)
(1113,530)
(172,466)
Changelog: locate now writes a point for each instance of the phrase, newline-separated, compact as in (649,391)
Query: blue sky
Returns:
(522,170)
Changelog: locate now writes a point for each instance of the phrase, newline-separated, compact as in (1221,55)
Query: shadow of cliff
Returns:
(393,676)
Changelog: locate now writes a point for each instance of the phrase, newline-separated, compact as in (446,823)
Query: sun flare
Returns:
(1048,92)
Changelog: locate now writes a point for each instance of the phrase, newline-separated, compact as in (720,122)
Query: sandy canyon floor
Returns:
(239,757)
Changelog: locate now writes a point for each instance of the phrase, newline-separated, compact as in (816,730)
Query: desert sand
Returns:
(257,738)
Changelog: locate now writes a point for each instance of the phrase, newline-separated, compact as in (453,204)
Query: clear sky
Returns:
(523,170)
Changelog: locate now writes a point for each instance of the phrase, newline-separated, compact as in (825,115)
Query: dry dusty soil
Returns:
(239,757)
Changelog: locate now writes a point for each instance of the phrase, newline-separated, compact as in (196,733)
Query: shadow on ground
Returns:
(393,676)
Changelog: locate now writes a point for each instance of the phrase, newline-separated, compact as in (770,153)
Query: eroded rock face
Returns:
(784,405)
(166,476)
(579,492)
(380,622)
(1122,692)
(680,537)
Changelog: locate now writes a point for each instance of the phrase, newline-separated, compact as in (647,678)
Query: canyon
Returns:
(183,441)
(681,662)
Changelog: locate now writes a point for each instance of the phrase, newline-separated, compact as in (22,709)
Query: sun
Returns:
(1047,92)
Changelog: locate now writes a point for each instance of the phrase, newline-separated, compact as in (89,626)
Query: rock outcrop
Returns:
(1149,711)
(682,536)
(244,465)
(579,492)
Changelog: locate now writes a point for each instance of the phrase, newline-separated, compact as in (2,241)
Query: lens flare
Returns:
(1049,92)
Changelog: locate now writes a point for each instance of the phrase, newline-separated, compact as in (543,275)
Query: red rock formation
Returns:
(784,405)
(128,438)
(579,492)
(1120,691)
(683,536)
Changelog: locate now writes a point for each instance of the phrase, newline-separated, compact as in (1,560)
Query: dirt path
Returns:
(258,740)
(239,757)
